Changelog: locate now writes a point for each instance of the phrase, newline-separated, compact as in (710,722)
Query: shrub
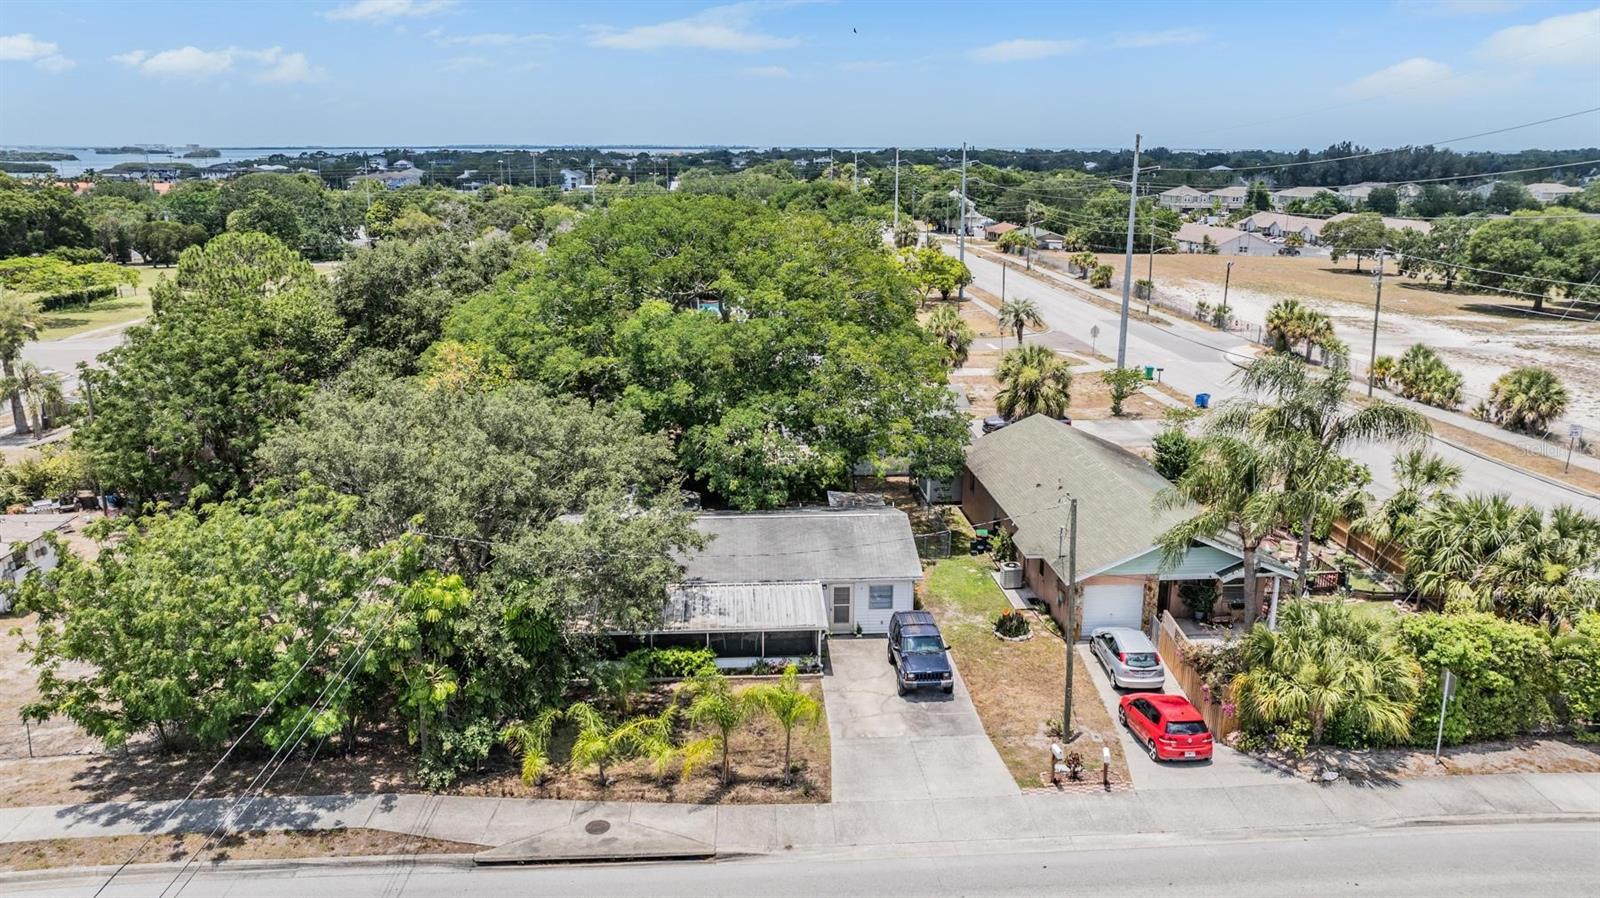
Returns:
(1577,667)
(1005,549)
(1527,399)
(674,663)
(1217,663)
(1012,624)
(1424,377)
(1502,674)
(1101,276)
(1175,451)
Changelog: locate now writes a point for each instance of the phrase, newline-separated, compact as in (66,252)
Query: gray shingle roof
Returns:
(823,544)
(706,607)
(1034,466)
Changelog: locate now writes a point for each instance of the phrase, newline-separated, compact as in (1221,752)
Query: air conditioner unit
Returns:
(1010,575)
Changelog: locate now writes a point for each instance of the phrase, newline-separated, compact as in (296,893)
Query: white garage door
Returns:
(1111,605)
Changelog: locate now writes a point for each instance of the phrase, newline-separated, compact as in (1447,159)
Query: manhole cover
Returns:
(596,827)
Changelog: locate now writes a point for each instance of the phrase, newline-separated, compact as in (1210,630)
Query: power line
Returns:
(344,672)
(236,742)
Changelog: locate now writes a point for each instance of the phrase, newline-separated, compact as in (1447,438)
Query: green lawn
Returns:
(116,310)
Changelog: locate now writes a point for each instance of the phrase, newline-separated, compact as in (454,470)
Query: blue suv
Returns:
(918,653)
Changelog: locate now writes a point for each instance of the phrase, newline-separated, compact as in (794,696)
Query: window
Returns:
(881,597)
(736,645)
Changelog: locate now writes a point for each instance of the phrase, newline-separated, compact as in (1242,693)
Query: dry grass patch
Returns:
(1016,686)
(1549,465)
(108,850)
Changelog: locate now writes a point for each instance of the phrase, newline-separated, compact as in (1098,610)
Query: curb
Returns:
(462,861)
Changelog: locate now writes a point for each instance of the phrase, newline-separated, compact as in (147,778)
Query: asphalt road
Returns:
(1200,360)
(1547,860)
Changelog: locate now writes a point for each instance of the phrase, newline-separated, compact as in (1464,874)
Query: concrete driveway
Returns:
(1227,768)
(888,748)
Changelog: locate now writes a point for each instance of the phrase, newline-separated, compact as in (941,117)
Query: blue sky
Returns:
(421,72)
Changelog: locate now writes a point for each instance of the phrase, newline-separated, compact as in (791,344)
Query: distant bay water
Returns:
(88,159)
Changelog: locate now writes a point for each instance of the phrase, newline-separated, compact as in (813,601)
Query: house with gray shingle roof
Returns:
(860,563)
(1023,478)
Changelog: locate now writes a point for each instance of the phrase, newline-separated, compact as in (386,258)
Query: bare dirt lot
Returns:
(1483,335)
(1521,755)
(71,767)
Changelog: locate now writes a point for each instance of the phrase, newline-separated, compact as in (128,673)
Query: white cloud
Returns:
(387,10)
(271,65)
(1169,38)
(718,28)
(44,55)
(1415,77)
(1559,40)
(55,64)
(767,71)
(463,63)
(289,68)
(492,39)
(1023,49)
(187,62)
(25,48)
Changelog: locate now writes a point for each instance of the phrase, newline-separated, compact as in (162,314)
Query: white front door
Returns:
(841,599)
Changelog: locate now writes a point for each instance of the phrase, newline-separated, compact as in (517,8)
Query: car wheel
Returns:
(949,690)
(1122,716)
(900,689)
(1154,755)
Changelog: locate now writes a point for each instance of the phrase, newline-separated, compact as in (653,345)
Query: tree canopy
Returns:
(778,349)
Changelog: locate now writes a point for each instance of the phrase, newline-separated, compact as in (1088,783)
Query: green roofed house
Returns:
(1025,475)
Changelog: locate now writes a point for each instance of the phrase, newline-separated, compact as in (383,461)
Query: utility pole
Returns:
(1070,630)
(1127,264)
(1227,276)
(855,172)
(961,221)
(1027,251)
(1150,270)
(897,189)
(1377,305)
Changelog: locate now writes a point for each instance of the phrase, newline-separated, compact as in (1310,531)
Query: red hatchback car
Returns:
(1170,727)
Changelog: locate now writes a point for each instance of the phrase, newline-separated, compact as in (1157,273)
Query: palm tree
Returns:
(601,743)
(1301,416)
(40,393)
(1284,322)
(1018,314)
(951,330)
(19,323)
(1033,381)
(1236,486)
(1420,477)
(1324,664)
(1525,399)
(790,706)
(716,705)
(1488,553)
(531,740)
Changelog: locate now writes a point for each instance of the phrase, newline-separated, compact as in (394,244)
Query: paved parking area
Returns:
(1227,768)
(890,748)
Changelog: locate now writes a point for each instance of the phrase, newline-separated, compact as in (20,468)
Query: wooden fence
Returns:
(1171,644)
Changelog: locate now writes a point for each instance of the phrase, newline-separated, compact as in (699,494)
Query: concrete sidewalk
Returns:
(739,829)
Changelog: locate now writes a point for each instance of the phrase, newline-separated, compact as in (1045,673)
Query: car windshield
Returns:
(1185,728)
(917,645)
(1142,659)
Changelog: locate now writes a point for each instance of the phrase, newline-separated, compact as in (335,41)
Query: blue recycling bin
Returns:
(1202,400)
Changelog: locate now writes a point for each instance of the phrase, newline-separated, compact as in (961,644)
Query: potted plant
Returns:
(1199,598)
